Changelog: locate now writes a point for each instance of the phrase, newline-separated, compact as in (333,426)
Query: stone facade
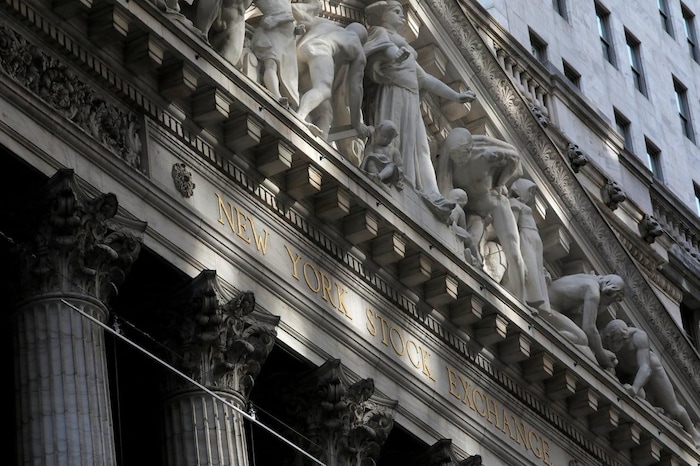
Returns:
(196,274)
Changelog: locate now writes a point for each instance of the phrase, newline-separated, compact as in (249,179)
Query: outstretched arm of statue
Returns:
(430,83)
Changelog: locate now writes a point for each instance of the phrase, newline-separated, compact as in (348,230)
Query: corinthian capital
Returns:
(75,242)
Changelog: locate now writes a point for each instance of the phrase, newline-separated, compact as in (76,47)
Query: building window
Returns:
(683,109)
(690,319)
(538,47)
(654,159)
(634,55)
(624,126)
(604,32)
(665,15)
(560,7)
(697,200)
(571,74)
(690,32)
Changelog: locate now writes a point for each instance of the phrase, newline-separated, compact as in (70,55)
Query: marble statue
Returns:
(462,225)
(398,79)
(576,301)
(331,62)
(641,366)
(380,155)
(522,195)
(222,22)
(274,44)
(484,167)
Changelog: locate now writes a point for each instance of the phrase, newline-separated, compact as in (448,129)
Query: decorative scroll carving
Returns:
(78,244)
(219,345)
(576,156)
(76,100)
(341,419)
(182,178)
(612,194)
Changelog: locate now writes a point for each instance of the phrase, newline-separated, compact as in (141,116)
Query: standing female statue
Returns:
(392,66)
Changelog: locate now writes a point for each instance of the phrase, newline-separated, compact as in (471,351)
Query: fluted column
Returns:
(221,345)
(73,258)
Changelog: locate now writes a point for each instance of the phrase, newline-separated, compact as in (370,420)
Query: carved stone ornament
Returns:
(576,156)
(221,346)
(442,453)
(612,194)
(57,85)
(541,117)
(649,229)
(78,244)
(182,179)
(342,420)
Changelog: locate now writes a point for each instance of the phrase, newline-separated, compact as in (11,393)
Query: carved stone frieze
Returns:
(342,420)
(76,100)
(221,345)
(78,244)
(572,194)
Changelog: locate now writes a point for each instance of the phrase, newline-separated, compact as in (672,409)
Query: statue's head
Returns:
(523,189)
(614,335)
(459,196)
(613,287)
(458,146)
(385,13)
(358,29)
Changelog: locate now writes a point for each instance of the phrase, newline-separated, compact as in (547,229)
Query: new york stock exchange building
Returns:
(336,233)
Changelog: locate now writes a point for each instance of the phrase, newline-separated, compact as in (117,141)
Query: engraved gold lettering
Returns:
(483,401)
(506,423)
(520,433)
(241,225)
(224,211)
(385,325)
(394,331)
(467,397)
(295,261)
(371,328)
(327,287)
(451,380)
(341,303)
(260,240)
(412,343)
(426,370)
(536,450)
(545,452)
(310,266)
(491,402)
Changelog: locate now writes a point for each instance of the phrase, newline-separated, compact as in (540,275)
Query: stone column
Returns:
(78,253)
(344,422)
(222,347)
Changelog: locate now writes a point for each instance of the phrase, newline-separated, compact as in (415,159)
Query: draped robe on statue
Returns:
(397,99)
